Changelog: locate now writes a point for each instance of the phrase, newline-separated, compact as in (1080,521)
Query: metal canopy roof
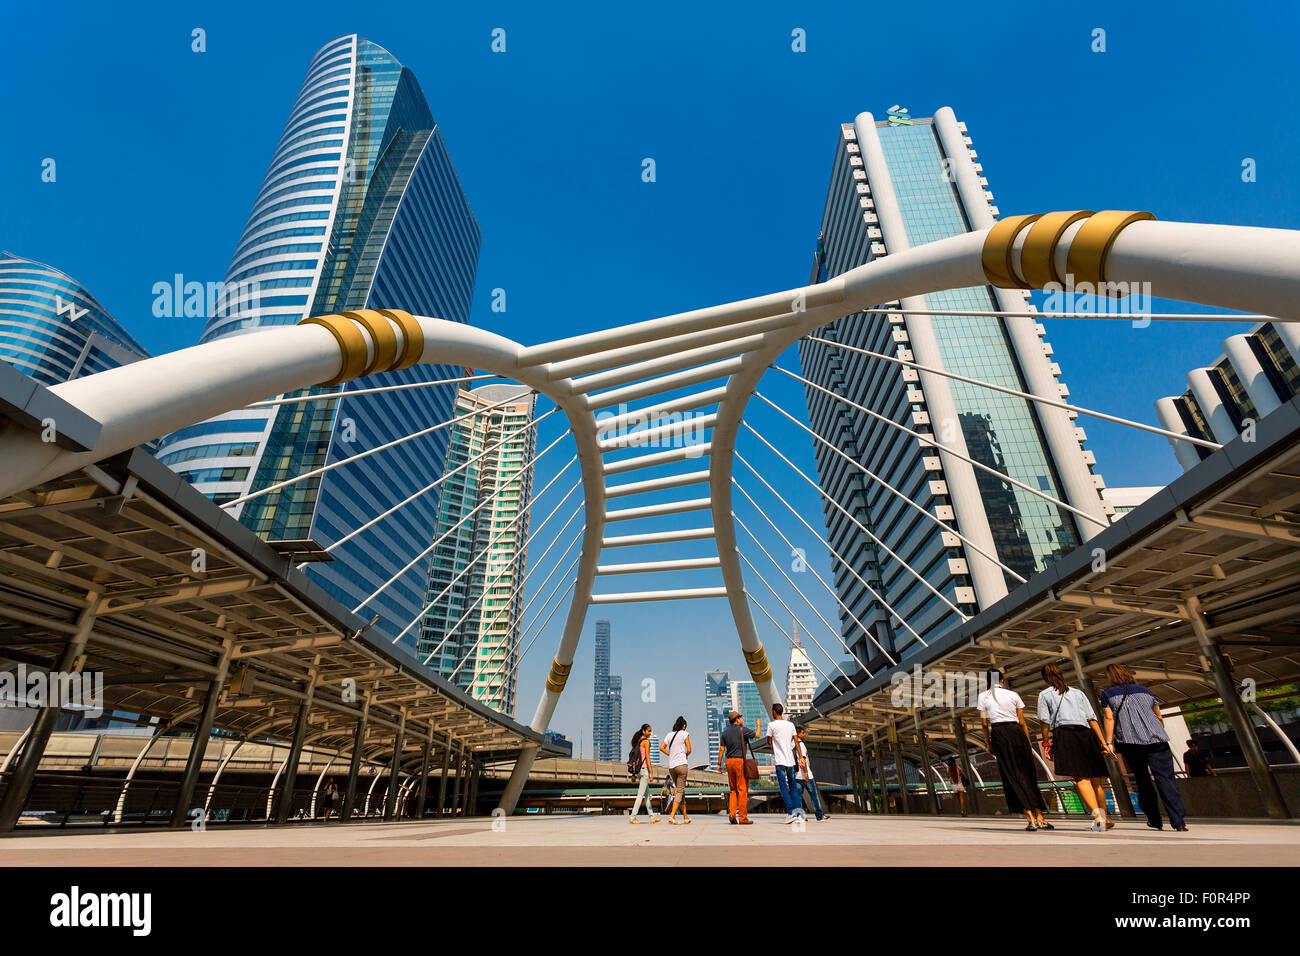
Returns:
(1225,534)
(128,529)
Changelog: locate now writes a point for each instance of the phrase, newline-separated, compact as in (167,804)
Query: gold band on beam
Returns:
(996,256)
(558,676)
(1038,254)
(352,343)
(412,339)
(1091,245)
(756,660)
(382,334)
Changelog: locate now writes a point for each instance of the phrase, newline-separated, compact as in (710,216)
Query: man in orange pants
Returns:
(734,738)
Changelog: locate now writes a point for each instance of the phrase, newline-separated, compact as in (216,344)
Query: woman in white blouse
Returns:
(677,748)
(1072,739)
(1008,742)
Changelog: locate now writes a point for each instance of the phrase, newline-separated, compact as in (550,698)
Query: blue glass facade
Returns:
(717,704)
(54,330)
(361,208)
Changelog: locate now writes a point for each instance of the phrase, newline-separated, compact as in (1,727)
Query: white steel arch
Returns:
(1236,267)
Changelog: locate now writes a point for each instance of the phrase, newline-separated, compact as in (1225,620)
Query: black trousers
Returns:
(1145,761)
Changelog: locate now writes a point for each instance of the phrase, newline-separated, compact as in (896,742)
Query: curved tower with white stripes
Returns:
(361,208)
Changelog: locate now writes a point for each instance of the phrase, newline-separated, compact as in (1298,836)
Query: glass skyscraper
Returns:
(478,561)
(53,329)
(361,209)
(895,184)
(717,704)
(607,702)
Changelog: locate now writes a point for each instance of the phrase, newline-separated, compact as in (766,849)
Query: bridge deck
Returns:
(709,840)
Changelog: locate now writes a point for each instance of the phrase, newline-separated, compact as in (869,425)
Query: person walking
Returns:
(1072,738)
(957,782)
(735,740)
(1008,742)
(804,776)
(1196,763)
(638,760)
(1136,728)
(331,797)
(678,750)
(781,733)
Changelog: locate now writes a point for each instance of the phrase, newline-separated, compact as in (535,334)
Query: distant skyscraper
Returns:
(896,184)
(655,756)
(473,632)
(1257,372)
(53,329)
(607,702)
(800,680)
(361,208)
(717,704)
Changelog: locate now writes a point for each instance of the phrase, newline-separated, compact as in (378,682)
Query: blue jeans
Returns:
(789,790)
(810,787)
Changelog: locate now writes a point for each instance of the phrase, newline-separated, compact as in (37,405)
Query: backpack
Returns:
(634,760)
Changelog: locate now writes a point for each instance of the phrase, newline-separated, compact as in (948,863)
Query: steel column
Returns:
(1265,782)
(424,775)
(927,772)
(200,745)
(900,768)
(963,755)
(866,773)
(38,736)
(390,800)
(285,803)
(354,767)
(442,787)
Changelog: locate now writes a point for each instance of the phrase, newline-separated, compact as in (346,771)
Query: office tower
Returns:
(896,184)
(607,702)
(361,208)
(800,680)
(717,704)
(1256,373)
(53,329)
(470,633)
(656,757)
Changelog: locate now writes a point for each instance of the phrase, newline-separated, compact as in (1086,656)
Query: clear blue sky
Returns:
(160,151)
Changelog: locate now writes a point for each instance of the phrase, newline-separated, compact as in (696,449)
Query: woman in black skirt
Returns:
(1072,738)
(1008,741)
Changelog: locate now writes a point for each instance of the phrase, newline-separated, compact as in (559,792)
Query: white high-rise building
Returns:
(800,680)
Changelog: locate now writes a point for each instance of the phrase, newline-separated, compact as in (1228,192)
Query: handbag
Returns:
(751,765)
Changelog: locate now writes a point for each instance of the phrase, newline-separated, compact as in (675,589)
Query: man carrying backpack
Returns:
(735,742)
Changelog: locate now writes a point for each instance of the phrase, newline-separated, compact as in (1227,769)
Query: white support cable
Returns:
(483,628)
(778,626)
(427,488)
(452,630)
(492,539)
(1125,316)
(931,440)
(343,393)
(808,601)
(861,527)
(538,633)
(795,617)
(886,485)
(488,585)
(372,451)
(835,554)
(541,587)
(477,508)
(830,590)
(1019,394)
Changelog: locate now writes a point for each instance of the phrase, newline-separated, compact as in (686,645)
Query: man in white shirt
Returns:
(781,732)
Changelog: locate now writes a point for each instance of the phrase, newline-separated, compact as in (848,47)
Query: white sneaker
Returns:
(1097,825)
